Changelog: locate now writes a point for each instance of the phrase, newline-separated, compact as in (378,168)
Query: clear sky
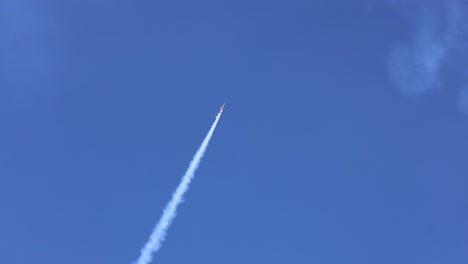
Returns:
(344,138)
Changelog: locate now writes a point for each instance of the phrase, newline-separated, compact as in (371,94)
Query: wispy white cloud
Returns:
(415,66)
(440,35)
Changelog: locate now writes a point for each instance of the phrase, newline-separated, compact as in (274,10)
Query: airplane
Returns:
(221,109)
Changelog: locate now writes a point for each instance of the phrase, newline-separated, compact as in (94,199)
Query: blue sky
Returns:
(343,139)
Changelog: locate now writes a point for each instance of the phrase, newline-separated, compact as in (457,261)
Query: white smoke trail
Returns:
(169,213)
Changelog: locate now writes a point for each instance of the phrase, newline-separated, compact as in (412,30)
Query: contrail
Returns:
(159,232)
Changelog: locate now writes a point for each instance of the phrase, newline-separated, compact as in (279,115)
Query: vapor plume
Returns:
(159,232)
